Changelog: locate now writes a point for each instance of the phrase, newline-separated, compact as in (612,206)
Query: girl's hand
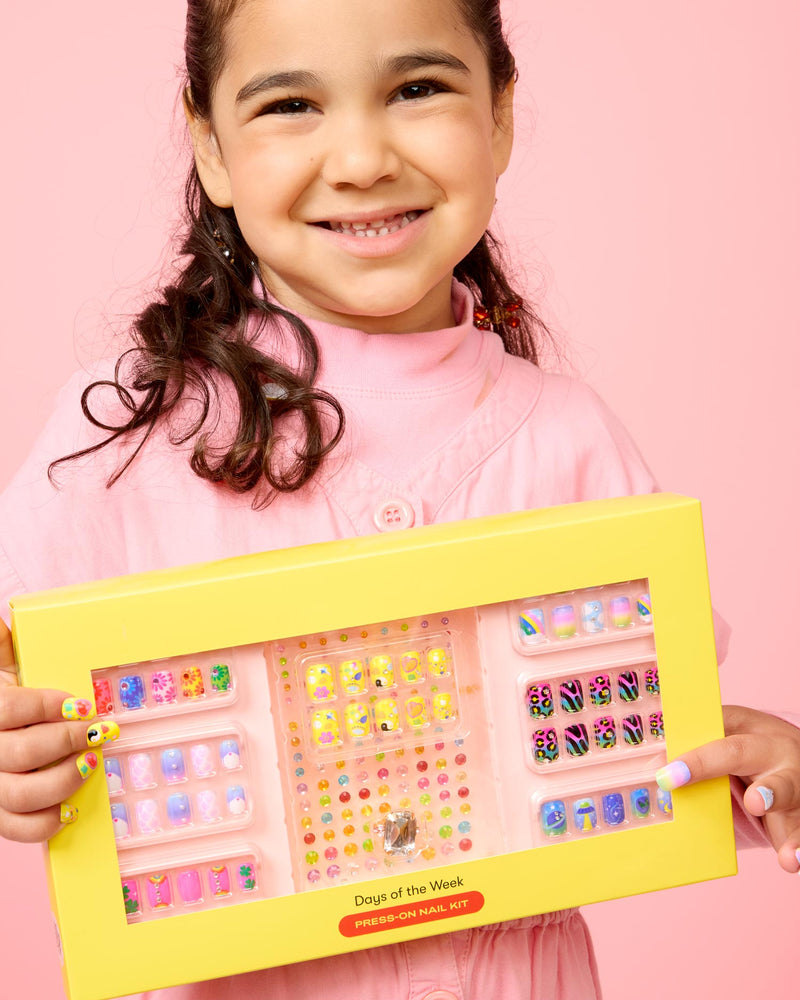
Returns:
(43,757)
(764,752)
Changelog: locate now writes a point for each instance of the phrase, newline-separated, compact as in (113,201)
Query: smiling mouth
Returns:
(373,228)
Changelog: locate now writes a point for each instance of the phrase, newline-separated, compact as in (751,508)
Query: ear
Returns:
(503,138)
(207,156)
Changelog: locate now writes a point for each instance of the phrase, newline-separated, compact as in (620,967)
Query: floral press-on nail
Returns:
(77,708)
(162,683)
(140,767)
(221,678)
(179,809)
(173,766)
(673,775)
(131,692)
(192,683)
(319,682)
(554,818)
(564,622)
(767,795)
(86,764)
(67,813)
(114,778)
(103,696)
(101,732)
(531,626)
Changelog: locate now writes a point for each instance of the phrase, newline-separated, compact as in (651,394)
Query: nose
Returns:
(361,151)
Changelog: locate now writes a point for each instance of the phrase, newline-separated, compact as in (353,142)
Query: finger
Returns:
(775,791)
(40,790)
(34,828)
(39,746)
(20,706)
(742,754)
(6,649)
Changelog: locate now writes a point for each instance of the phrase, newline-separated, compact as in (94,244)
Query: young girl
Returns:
(315,372)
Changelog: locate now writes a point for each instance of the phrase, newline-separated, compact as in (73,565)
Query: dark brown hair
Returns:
(198,336)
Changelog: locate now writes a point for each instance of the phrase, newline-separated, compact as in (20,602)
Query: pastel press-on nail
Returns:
(148,816)
(221,678)
(628,685)
(113,775)
(592,617)
(381,671)
(554,818)
(140,767)
(236,799)
(353,677)
(584,813)
(319,682)
(119,819)
(179,810)
(159,892)
(564,621)
(246,877)
(192,683)
(189,888)
(571,694)
(202,760)
(640,803)
(229,754)
(539,699)
(130,896)
(103,697)
(131,692)
(664,800)
(600,690)
(545,746)
(162,683)
(531,626)
(219,880)
(208,806)
(613,809)
(621,612)
(173,766)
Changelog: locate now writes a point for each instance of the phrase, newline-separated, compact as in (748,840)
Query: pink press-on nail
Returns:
(130,894)
(159,893)
(148,816)
(202,760)
(162,683)
(673,776)
(208,806)
(219,880)
(189,887)
(140,767)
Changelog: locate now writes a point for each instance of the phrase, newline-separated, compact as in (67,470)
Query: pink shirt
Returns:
(440,426)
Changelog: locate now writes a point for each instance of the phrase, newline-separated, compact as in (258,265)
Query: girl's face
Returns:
(359,145)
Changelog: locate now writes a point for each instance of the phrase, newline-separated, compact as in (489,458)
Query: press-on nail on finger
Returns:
(767,795)
(68,813)
(673,775)
(77,708)
(101,732)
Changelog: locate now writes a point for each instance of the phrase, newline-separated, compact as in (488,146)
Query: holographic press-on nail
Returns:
(584,813)
(673,775)
(652,685)
(114,778)
(605,732)
(130,896)
(416,711)
(140,768)
(173,766)
(628,685)
(77,708)
(620,608)
(387,717)
(208,808)
(600,690)
(438,662)
(571,696)
(229,754)
(664,800)
(633,730)
(554,818)
(202,758)
(131,692)
(545,746)
(443,707)
(246,877)
(356,720)
(539,699)
(531,626)
(613,809)
(189,888)
(159,891)
(120,820)
(656,720)
(237,800)
(352,677)
(592,617)
(221,680)
(576,740)
(86,764)
(319,682)
(179,809)
(325,730)
(101,732)
(644,608)
(103,696)
(640,803)
(381,671)
(565,624)
(192,686)
(411,667)
(219,881)
(162,684)
(148,816)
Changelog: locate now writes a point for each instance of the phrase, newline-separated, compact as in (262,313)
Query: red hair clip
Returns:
(505,315)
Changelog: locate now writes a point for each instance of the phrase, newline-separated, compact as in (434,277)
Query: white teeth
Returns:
(377,227)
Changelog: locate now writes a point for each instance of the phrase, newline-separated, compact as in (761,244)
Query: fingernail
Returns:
(68,813)
(767,795)
(101,732)
(673,775)
(797,855)
(87,762)
(77,708)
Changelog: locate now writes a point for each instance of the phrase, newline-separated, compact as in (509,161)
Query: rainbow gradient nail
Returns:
(673,776)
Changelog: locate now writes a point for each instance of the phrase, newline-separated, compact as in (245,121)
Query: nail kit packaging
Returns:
(372,740)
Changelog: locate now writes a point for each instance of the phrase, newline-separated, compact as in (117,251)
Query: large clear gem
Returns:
(400,833)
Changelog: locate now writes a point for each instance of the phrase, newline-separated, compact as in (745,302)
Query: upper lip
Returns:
(354,218)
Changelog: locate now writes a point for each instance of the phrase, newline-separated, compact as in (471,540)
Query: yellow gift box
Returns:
(466,720)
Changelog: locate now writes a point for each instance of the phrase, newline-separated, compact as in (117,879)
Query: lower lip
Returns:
(372,247)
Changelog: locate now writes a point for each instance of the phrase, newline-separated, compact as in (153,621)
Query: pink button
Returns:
(394,514)
(440,995)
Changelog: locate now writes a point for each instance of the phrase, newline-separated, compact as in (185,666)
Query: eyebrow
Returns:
(305,80)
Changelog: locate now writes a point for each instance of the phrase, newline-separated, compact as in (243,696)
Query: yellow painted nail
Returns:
(68,813)
(77,708)
(101,732)
(87,762)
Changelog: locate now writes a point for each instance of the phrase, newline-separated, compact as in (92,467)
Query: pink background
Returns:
(653,198)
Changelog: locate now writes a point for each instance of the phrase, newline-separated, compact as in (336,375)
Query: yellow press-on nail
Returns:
(68,813)
(101,732)
(77,708)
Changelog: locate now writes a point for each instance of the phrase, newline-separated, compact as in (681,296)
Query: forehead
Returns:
(340,33)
